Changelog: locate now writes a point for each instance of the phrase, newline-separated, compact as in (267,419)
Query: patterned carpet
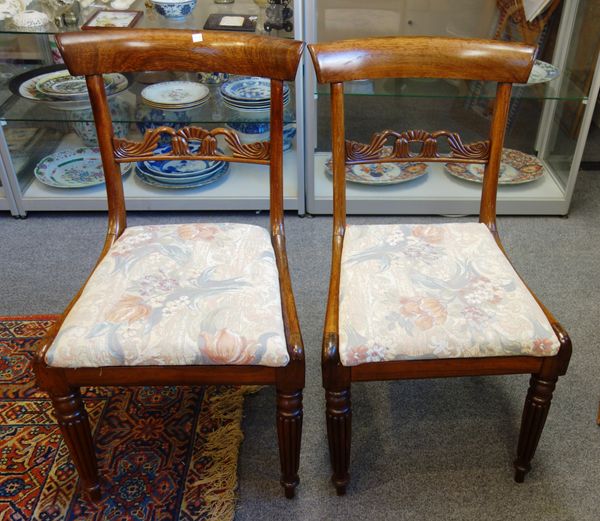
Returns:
(164,453)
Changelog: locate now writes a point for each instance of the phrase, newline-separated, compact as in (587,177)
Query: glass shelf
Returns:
(151,19)
(456,89)
(128,107)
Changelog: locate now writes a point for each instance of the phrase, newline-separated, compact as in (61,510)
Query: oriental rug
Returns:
(164,453)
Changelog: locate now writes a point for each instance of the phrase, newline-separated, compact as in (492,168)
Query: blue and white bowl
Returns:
(250,127)
(174,9)
(213,78)
(83,122)
(253,132)
(147,117)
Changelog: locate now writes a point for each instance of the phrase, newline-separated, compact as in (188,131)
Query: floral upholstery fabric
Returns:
(178,295)
(434,291)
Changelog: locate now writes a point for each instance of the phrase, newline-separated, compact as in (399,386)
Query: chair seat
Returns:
(189,294)
(434,291)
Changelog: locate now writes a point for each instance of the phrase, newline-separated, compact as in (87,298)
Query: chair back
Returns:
(94,53)
(420,57)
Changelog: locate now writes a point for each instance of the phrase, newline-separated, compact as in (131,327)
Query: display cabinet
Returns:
(548,123)
(33,129)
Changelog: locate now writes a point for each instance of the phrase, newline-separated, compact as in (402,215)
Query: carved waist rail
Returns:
(378,152)
(127,151)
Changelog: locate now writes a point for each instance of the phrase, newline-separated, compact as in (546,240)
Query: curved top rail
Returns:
(422,57)
(124,50)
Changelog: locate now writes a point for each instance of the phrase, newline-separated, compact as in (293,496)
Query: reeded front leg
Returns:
(289,431)
(75,426)
(535,412)
(339,433)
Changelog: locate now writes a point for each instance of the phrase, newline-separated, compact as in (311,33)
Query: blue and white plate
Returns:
(182,167)
(181,180)
(178,186)
(542,72)
(249,89)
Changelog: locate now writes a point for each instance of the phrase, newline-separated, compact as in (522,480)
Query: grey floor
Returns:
(437,449)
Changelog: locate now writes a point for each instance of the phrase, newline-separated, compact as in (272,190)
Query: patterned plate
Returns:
(205,181)
(64,86)
(175,93)
(25,85)
(182,167)
(74,168)
(252,89)
(542,72)
(516,168)
(382,173)
(181,180)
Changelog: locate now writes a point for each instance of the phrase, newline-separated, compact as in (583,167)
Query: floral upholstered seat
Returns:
(434,291)
(178,295)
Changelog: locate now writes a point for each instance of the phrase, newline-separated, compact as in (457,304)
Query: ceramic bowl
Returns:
(86,130)
(174,9)
(9,8)
(252,132)
(250,127)
(31,19)
(147,117)
(213,78)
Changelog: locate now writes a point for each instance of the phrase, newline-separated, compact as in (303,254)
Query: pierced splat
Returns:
(377,152)
(127,150)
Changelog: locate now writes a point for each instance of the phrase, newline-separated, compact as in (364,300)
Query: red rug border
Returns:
(7,318)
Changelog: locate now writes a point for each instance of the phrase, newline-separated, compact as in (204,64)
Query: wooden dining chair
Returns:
(428,301)
(180,304)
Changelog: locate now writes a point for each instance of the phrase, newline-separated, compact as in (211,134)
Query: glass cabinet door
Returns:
(547,121)
(43,129)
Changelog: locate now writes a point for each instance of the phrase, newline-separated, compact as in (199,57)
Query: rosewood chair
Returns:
(414,301)
(180,304)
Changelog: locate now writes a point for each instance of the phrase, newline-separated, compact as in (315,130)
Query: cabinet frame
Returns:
(553,198)
(37,197)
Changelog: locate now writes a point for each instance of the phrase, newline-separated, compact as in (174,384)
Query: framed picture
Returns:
(112,19)
(231,22)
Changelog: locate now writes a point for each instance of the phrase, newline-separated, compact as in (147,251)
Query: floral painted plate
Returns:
(516,168)
(175,93)
(382,173)
(73,168)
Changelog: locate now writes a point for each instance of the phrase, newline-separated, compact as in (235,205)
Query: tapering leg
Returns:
(535,412)
(75,426)
(289,431)
(339,433)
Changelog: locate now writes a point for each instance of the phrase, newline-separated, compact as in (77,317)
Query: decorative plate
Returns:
(249,89)
(73,168)
(64,86)
(175,93)
(542,72)
(182,167)
(516,168)
(202,182)
(170,179)
(25,85)
(382,173)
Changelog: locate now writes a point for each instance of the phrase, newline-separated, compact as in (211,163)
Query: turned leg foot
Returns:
(289,431)
(535,412)
(339,431)
(74,424)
